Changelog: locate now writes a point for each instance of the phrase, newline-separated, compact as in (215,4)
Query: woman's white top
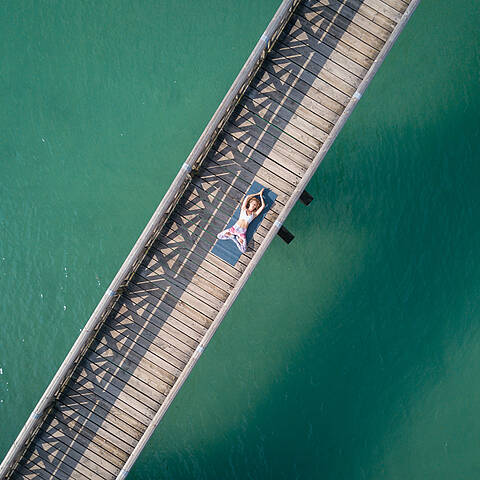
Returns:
(245,216)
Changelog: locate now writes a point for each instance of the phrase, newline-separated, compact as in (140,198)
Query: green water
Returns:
(354,352)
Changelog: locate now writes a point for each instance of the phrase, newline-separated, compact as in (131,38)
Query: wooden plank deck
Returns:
(275,125)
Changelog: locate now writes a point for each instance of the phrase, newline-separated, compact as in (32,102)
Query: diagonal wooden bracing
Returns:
(275,125)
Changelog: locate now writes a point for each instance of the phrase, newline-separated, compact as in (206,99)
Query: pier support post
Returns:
(285,235)
(306,198)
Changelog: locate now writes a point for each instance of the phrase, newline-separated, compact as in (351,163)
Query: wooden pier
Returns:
(275,125)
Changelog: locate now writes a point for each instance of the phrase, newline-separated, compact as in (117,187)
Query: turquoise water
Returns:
(354,352)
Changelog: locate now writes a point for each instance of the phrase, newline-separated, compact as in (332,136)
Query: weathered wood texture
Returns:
(275,125)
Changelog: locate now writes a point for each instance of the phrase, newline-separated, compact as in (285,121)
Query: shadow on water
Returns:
(149,336)
(361,366)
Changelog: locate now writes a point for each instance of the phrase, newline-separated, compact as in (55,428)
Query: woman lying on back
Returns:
(251,208)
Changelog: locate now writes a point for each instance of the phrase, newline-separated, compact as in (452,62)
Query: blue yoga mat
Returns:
(227,249)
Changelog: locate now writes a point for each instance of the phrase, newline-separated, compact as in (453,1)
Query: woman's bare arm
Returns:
(259,211)
(245,201)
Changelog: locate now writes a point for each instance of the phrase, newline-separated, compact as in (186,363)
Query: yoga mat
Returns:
(227,249)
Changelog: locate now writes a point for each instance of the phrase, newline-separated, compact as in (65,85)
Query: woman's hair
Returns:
(254,199)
